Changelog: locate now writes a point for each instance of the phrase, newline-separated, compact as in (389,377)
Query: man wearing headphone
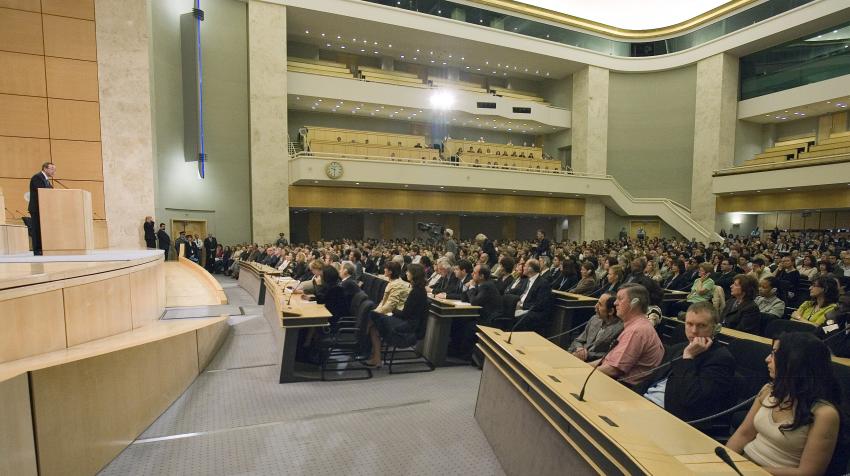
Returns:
(698,376)
(599,332)
(638,349)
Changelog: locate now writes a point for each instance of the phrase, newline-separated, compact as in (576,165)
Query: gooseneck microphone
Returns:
(511,334)
(724,455)
(580,395)
(293,292)
(569,331)
(724,412)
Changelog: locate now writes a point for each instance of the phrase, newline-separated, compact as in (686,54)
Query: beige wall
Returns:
(651,132)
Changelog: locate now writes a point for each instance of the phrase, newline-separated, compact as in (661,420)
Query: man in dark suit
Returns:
(150,236)
(164,240)
(726,276)
(487,247)
(535,305)
(455,289)
(483,292)
(39,180)
(210,244)
(697,378)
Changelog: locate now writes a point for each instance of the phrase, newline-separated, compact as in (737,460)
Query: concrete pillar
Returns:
(590,140)
(129,164)
(267,89)
(714,131)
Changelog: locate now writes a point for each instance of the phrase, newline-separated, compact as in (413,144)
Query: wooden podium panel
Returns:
(66,220)
(14,239)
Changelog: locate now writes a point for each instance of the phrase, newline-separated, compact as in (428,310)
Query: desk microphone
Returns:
(569,331)
(724,412)
(60,183)
(580,396)
(522,318)
(293,292)
(724,455)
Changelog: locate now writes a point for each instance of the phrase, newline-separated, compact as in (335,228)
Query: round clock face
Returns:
(334,170)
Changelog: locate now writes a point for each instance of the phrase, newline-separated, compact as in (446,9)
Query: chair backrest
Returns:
(841,456)
(777,327)
(750,368)
(719,298)
(509,302)
(363,312)
(356,300)
(764,320)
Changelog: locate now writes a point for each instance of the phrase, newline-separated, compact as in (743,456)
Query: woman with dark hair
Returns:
(677,280)
(587,283)
(824,268)
(332,295)
(426,266)
(741,311)
(568,277)
(504,281)
(824,299)
(794,425)
(404,319)
(808,268)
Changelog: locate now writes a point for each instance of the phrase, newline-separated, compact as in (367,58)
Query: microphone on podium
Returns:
(293,292)
(724,455)
(652,370)
(60,183)
(569,331)
(580,395)
(511,334)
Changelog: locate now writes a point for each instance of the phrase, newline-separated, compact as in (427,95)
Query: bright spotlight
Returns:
(442,100)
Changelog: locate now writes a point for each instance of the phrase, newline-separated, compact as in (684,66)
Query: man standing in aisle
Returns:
(210,244)
(150,236)
(164,240)
(39,180)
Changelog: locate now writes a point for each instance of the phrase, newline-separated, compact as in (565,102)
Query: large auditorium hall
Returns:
(424,237)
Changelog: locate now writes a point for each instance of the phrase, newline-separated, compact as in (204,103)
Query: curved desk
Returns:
(535,425)
(251,279)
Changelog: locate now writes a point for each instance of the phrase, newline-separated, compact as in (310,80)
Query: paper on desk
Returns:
(460,303)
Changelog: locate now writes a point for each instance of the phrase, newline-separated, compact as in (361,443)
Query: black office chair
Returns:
(764,320)
(507,321)
(779,326)
(345,342)
(401,350)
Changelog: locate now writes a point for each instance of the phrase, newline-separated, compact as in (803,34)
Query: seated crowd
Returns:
(795,422)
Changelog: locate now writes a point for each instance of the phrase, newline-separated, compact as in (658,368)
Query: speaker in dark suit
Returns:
(150,234)
(39,180)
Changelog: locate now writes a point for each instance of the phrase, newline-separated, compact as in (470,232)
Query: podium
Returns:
(66,220)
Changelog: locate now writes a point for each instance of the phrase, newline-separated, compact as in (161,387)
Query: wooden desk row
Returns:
(528,412)
(251,278)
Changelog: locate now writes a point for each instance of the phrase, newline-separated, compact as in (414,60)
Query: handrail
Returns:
(678,209)
(790,164)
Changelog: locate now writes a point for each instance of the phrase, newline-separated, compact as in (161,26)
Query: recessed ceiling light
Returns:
(307,32)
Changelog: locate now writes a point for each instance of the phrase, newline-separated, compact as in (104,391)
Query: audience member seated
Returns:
(505,277)
(823,295)
(639,348)
(697,379)
(725,276)
(836,330)
(482,292)
(767,300)
(702,289)
(587,284)
(332,295)
(651,271)
(808,268)
(741,311)
(677,281)
(759,269)
(614,280)
(788,279)
(599,332)
(519,282)
(463,274)
(535,304)
(794,424)
(568,276)
(402,309)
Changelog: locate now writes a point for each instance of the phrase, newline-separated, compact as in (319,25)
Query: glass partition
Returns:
(806,60)
(537,29)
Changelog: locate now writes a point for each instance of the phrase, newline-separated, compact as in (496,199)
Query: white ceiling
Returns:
(630,14)
(350,35)
(451,118)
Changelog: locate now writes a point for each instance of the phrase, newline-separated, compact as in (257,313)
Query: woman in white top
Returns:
(809,268)
(794,423)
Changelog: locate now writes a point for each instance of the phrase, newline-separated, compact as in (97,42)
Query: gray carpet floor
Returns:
(235,419)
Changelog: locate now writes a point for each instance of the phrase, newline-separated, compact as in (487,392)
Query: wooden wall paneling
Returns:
(812,222)
(796,221)
(75,120)
(28,5)
(827,220)
(144,301)
(88,411)
(31,325)
(769,221)
(824,127)
(783,220)
(839,122)
(69,8)
(210,339)
(69,38)
(15,239)
(23,116)
(27,77)
(13,192)
(22,157)
(161,292)
(96,189)
(387,225)
(17,442)
(20,31)
(77,160)
(88,318)
(842,219)
(71,79)
(830,198)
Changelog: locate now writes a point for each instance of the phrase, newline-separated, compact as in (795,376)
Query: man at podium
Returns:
(39,180)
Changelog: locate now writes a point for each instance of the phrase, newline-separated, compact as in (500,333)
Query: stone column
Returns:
(123,68)
(714,131)
(269,153)
(590,139)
